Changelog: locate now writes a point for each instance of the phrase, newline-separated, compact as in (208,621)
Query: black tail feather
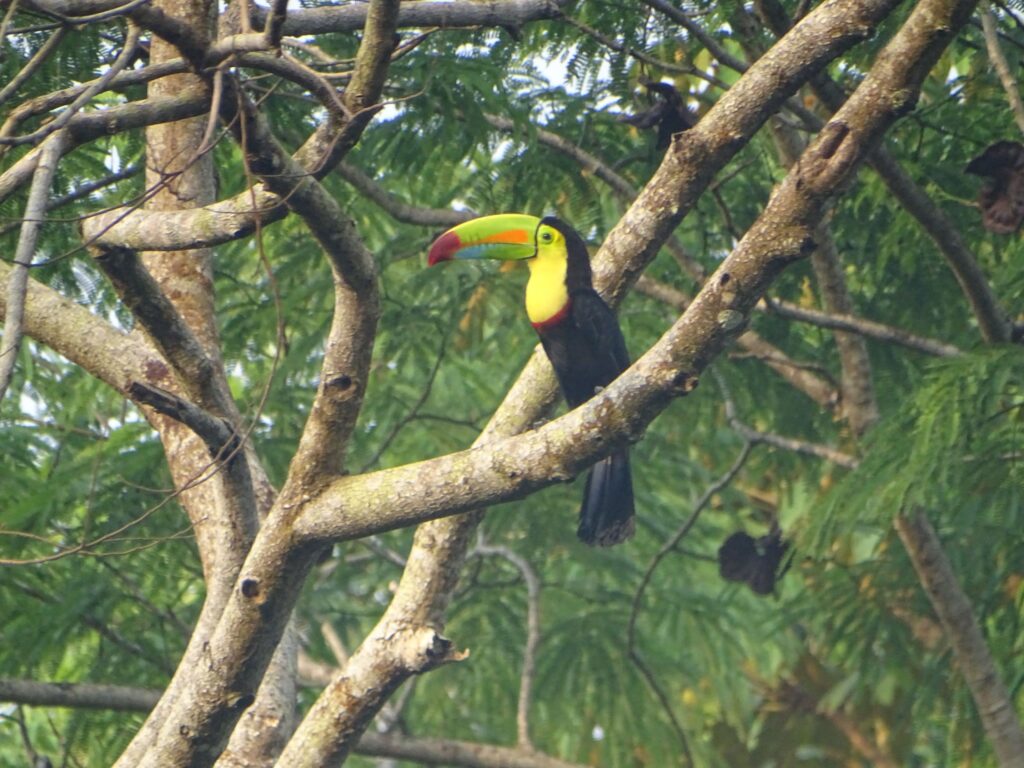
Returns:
(606,516)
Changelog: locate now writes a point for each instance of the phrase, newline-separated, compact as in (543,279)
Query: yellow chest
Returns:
(546,294)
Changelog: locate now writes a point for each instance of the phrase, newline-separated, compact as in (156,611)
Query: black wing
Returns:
(600,328)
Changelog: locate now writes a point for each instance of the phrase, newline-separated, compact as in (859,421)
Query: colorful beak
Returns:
(505,236)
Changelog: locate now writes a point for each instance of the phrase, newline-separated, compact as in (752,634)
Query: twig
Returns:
(120,63)
(1002,66)
(681,69)
(755,436)
(667,547)
(698,32)
(413,412)
(396,208)
(32,65)
(18,286)
(865,327)
(532,634)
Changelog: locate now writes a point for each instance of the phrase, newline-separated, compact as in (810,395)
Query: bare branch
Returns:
(78,695)
(532,634)
(17,287)
(422,750)
(1002,66)
(123,59)
(460,754)
(163,324)
(273,28)
(218,434)
(699,34)
(996,709)
(396,208)
(867,328)
(32,65)
(755,437)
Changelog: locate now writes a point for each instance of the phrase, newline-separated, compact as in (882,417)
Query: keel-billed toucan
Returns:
(578,331)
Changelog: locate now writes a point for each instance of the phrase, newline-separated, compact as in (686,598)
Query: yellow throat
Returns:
(546,294)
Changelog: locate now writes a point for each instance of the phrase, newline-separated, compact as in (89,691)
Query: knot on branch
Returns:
(827,164)
(340,387)
(421,649)
(684,382)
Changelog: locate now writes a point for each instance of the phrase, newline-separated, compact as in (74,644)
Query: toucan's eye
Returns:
(546,237)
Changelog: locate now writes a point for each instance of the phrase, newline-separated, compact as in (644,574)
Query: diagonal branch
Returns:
(798,376)
(163,324)
(1002,66)
(993,321)
(995,707)
(17,287)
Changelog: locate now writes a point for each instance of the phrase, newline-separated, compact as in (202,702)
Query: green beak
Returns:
(505,236)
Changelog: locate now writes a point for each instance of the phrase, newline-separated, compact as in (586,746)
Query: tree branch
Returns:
(867,328)
(532,635)
(453,15)
(798,376)
(427,751)
(1002,66)
(995,707)
(396,208)
(17,287)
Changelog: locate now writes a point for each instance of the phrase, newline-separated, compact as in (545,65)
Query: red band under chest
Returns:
(555,319)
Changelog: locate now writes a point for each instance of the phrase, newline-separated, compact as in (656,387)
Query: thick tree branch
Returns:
(993,321)
(996,709)
(815,387)
(463,13)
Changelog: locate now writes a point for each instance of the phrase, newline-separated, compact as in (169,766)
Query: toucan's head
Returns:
(504,236)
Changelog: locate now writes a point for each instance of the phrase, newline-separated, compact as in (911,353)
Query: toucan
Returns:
(578,331)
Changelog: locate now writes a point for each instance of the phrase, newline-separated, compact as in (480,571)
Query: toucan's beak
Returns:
(505,236)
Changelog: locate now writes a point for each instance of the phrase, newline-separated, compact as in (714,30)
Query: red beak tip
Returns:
(443,248)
